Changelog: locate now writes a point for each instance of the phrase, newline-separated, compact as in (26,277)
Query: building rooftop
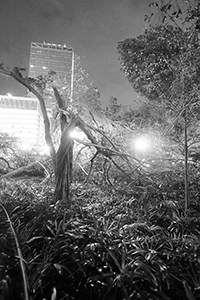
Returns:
(52,46)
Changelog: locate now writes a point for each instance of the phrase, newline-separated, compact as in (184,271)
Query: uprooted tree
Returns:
(69,118)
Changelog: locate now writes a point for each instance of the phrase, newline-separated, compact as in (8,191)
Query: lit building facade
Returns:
(21,117)
(45,57)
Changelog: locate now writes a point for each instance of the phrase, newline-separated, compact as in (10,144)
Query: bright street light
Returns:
(142,144)
(24,146)
(77,134)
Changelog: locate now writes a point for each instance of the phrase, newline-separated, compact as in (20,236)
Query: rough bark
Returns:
(63,174)
(64,164)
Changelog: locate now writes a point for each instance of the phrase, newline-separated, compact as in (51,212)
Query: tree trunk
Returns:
(186,163)
(63,173)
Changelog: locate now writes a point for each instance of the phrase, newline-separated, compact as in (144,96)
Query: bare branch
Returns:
(81,167)
(91,114)
(25,82)
(9,166)
(103,134)
(91,165)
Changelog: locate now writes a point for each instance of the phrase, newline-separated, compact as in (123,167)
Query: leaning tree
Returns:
(69,116)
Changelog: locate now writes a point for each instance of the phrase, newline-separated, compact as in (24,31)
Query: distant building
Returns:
(21,117)
(45,57)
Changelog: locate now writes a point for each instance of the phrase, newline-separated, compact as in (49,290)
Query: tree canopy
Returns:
(163,64)
(155,61)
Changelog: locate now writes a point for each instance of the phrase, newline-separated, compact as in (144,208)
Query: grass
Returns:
(108,245)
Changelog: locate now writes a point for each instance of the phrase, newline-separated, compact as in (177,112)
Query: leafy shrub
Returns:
(99,248)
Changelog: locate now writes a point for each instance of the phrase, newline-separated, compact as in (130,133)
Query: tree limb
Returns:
(25,82)
(27,170)
(9,166)
(91,165)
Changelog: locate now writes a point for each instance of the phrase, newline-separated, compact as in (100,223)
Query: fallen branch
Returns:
(34,169)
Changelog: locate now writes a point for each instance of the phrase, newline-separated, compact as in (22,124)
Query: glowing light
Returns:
(76,134)
(44,150)
(25,146)
(142,144)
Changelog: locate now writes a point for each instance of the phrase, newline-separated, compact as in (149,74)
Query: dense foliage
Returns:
(163,63)
(124,234)
(106,246)
(163,66)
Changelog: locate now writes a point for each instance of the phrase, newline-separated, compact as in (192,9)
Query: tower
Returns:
(45,57)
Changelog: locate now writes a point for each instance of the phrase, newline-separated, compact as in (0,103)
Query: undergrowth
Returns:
(108,245)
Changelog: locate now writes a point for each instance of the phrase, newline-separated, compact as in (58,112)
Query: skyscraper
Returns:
(45,57)
(21,116)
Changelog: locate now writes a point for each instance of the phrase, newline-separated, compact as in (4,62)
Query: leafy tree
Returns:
(114,109)
(7,150)
(163,65)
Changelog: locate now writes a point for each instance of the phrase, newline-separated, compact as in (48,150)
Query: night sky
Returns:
(92,27)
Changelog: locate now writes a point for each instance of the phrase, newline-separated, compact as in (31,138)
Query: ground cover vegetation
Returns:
(103,217)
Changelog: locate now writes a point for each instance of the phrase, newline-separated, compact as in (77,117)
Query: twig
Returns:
(81,167)
(91,165)
(91,114)
(9,166)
